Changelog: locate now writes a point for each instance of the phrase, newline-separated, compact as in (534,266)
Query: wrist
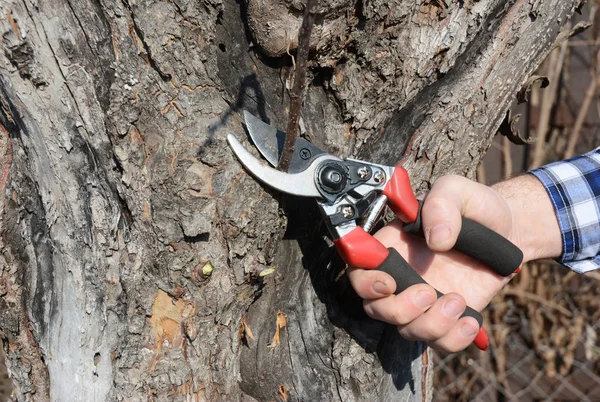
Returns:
(535,228)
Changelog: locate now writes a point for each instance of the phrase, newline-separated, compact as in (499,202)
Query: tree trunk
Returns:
(121,194)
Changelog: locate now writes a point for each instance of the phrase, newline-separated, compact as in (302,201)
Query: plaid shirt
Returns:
(574,188)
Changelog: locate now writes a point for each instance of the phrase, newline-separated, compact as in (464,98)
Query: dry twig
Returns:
(299,84)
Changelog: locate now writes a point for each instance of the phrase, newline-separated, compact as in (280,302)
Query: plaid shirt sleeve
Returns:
(574,188)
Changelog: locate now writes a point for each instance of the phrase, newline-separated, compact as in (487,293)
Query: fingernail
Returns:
(468,331)
(381,288)
(452,308)
(424,299)
(438,234)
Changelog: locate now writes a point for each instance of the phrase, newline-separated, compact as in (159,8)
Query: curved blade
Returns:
(269,141)
(301,184)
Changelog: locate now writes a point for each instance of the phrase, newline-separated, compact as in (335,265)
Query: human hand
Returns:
(416,311)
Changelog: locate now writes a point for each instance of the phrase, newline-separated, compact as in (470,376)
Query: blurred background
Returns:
(544,325)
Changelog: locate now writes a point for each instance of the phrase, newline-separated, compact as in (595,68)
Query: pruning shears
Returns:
(351,195)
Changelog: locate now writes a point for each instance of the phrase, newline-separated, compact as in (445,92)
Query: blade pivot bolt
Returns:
(379,177)
(332,178)
(348,211)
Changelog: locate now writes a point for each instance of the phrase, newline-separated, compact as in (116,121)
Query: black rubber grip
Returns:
(480,243)
(405,276)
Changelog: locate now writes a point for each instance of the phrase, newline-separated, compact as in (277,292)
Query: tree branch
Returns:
(299,84)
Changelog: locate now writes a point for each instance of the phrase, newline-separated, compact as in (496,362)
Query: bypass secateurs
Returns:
(351,195)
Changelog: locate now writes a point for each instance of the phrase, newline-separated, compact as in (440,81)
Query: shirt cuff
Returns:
(574,188)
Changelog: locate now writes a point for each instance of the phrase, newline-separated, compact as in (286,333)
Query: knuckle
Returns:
(422,333)
(457,297)
(398,317)
(368,308)
(407,334)
(443,347)
(354,275)
(434,332)
(434,202)
(449,345)
(447,181)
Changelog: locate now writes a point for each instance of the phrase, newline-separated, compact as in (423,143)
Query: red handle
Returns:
(360,249)
(401,197)
(482,340)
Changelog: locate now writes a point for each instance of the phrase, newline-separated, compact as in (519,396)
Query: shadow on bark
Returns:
(344,306)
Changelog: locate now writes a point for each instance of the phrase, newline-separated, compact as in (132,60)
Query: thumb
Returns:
(453,197)
(442,212)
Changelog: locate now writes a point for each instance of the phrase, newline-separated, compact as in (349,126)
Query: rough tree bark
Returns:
(120,192)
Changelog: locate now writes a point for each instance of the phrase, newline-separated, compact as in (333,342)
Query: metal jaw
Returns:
(347,191)
(301,184)
(269,141)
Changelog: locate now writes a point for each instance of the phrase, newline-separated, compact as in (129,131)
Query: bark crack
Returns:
(291,359)
(335,370)
(425,375)
(148,53)
(87,39)
(31,17)
(62,73)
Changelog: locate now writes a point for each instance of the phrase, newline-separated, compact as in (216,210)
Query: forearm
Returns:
(535,226)
(556,211)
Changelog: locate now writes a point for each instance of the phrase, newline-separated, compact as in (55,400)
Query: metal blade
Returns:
(269,141)
(301,184)
(266,138)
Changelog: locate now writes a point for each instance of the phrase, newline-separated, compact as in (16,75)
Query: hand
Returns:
(416,312)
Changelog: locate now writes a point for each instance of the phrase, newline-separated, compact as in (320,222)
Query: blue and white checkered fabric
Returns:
(574,188)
